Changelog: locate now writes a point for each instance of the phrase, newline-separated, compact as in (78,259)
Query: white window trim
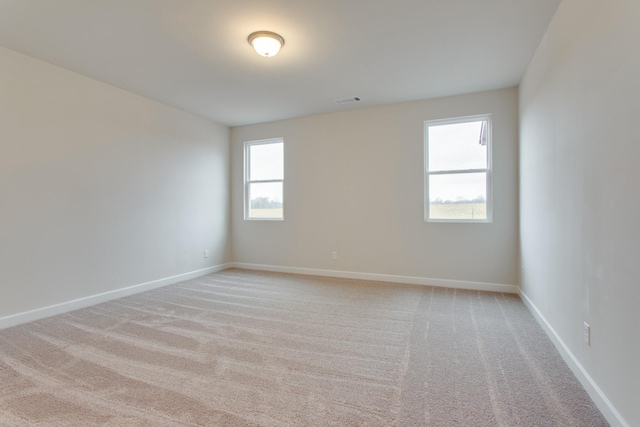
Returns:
(488,170)
(247,182)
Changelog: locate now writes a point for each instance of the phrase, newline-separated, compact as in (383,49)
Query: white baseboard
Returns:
(65,307)
(597,395)
(445,283)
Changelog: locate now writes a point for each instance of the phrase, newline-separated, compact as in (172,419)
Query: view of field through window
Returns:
(265,177)
(457,170)
(266,213)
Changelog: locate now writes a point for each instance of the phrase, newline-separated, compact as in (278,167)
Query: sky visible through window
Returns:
(267,163)
(457,147)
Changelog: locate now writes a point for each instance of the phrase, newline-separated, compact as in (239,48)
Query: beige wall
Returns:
(354,184)
(580,145)
(101,189)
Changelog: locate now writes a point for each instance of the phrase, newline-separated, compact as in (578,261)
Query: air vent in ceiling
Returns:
(348,100)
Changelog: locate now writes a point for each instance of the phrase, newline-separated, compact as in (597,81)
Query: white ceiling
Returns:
(194,55)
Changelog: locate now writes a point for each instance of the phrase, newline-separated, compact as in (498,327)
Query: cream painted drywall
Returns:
(579,151)
(101,189)
(354,184)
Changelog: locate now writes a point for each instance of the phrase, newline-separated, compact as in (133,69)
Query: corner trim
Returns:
(605,406)
(65,307)
(410,280)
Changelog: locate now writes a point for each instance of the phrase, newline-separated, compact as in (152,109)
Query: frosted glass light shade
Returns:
(266,43)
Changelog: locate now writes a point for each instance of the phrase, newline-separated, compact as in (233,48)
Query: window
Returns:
(458,169)
(264,179)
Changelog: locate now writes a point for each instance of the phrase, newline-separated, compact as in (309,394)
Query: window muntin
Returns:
(264,179)
(458,169)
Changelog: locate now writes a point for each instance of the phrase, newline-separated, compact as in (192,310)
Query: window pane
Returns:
(266,161)
(265,200)
(458,196)
(458,146)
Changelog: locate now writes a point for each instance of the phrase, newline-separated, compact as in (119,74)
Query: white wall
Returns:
(579,154)
(101,189)
(354,184)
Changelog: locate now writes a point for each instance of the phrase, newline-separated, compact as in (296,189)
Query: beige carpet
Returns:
(241,348)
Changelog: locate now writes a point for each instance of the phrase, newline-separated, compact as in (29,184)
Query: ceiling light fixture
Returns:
(266,43)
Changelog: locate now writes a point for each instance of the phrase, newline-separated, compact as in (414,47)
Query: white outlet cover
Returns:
(586,333)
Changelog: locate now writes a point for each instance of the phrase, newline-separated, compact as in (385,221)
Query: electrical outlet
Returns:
(206,253)
(334,255)
(586,333)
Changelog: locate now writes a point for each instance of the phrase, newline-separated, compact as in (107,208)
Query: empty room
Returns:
(319,213)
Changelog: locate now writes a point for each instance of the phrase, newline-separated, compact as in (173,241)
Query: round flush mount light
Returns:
(266,43)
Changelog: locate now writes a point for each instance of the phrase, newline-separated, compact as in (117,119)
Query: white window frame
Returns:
(487,170)
(248,182)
